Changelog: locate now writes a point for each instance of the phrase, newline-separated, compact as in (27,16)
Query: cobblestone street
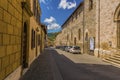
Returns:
(59,65)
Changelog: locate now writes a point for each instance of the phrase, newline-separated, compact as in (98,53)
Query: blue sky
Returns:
(56,12)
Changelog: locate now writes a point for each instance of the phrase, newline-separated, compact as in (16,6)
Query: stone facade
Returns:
(36,27)
(43,37)
(72,33)
(99,24)
(18,46)
(89,23)
(106,27)
(10,36)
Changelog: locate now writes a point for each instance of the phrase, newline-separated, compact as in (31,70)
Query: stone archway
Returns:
(117,13)
(117,20)
(118,31)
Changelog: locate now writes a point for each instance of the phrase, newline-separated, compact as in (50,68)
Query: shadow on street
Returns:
(41,69)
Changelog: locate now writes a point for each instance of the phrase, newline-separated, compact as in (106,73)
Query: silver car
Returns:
(68,48)
(75,49)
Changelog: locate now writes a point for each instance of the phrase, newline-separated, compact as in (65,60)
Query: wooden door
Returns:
(24,47)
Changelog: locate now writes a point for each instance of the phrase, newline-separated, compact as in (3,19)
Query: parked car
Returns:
(58,47)
(63,48)
(75,49)
(68,48)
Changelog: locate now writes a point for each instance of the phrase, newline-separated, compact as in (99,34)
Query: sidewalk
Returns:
(83,58)
(84,67)
(43,68)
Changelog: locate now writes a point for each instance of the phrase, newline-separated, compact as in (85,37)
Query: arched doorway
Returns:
(117,20)
(24,47)
(118,30)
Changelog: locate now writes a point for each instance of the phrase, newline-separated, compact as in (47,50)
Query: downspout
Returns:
(99,28)
(83,22)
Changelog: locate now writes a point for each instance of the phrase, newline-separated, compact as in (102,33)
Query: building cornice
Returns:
(27,8)
(81,4)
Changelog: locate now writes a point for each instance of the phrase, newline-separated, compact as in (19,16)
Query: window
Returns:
(75,41)
(79,34)
(32,39)
(76,15)
(34,7)
(67,37)
(90,4)
(86,37)
(71,35)
(39,39)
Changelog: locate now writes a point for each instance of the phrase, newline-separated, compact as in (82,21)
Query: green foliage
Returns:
(52,36)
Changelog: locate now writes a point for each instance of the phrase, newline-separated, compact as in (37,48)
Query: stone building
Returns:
(34,31)
(89,24)
(72,29)
(12,17)
(43,41)
(99,26)
(20,36)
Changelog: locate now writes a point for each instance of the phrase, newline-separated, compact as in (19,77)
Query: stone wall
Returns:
(89,23)
(32,52)
(34,24)
(97,21)
(106,27)
(10,36)
(71,29)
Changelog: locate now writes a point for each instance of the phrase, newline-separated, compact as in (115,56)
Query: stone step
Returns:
(114,58)
(117,54)
(113,62)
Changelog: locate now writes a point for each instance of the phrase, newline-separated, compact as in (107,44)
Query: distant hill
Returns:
(52,36)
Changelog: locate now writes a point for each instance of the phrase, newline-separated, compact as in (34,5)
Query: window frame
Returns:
(90,4)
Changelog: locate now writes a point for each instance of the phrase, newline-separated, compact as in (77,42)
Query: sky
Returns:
(56,12)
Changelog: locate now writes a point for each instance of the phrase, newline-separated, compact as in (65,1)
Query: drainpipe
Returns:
(83,23)
(99,28)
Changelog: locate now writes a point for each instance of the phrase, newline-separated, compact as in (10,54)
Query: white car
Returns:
(75,49)
(68,48)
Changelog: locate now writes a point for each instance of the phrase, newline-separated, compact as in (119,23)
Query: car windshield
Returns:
(69,46)
(76,47)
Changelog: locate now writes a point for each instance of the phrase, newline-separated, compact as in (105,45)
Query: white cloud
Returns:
(52,25)
(42,1)
(50,20)
(67,5)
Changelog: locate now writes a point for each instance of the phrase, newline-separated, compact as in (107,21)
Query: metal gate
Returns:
(92,43)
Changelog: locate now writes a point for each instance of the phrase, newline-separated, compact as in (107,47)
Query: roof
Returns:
(81,4)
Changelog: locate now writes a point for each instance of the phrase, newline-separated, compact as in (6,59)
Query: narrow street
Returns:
(59,65)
